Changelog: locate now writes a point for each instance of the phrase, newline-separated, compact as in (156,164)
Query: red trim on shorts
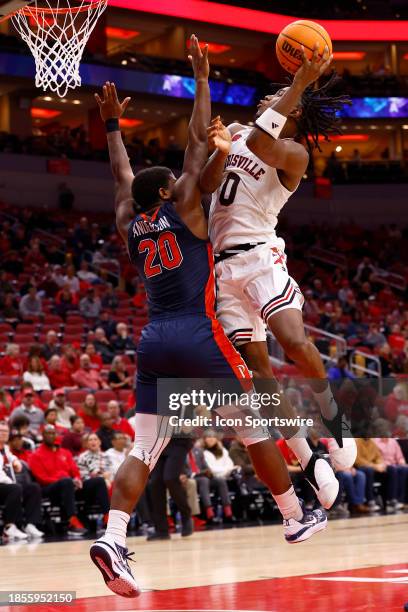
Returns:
(210,286)
(232,356)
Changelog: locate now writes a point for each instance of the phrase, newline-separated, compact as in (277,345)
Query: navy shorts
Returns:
(184,347)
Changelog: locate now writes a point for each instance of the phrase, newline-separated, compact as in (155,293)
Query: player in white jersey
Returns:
(253,172)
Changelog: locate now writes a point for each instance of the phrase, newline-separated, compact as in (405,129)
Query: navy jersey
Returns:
(177,267)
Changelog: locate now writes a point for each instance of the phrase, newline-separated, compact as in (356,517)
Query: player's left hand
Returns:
(219,136)
(110,106)
(199,59)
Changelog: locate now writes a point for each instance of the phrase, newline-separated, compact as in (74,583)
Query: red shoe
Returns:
(76,528)
(199,525)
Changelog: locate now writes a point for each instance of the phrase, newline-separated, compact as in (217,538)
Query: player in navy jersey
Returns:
(163,225)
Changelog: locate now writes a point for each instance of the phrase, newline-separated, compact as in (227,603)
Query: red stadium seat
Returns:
(123,395)
(53,319)
(105,395)
(5,328)
(24,338)
(27,328)
(77,396)
(46,396)
(9,381)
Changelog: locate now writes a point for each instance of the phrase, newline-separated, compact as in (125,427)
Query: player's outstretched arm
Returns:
(111,110)
(264,141)
(219,144)
(186,192)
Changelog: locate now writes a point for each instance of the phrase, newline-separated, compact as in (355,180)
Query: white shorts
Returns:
(251,287)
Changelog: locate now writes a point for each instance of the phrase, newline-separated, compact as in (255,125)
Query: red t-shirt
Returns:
(125,427)
(91,422)
(49,465)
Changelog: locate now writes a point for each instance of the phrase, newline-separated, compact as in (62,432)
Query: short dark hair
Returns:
(146,186)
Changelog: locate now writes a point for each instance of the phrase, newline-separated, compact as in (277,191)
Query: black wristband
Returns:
(112,125)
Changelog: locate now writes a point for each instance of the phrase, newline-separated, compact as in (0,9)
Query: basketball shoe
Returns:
(310,523)
(319,474)
(112,561)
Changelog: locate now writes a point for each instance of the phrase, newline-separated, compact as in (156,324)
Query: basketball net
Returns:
(56,33)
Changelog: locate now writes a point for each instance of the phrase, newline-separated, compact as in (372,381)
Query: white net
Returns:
(56,32)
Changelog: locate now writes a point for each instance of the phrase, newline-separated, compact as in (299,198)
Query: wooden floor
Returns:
(223,557)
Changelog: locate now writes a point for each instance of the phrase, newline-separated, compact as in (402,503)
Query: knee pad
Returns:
(153,433)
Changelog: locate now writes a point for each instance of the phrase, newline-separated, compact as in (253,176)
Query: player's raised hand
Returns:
(219,136)
(311,70)
(199,59)
(109,105)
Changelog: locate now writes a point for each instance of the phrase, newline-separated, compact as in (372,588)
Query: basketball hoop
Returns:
(56,32)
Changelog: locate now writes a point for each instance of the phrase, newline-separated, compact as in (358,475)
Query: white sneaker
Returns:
(373,507)
(311,522)
(32,531)
(319,474)
(112,561)
(13,533)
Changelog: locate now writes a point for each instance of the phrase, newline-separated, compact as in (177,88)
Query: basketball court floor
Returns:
(356,564)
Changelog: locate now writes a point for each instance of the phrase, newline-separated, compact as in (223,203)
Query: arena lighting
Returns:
(346,138)
(349,56)
(44,113)
(120,33)
(261,21)
(214,48)
(126,123)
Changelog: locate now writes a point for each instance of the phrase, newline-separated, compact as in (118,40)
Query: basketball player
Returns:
(253,172)
(167,239)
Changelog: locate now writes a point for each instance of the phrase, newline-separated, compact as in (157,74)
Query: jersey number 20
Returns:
(168,251)
(229,189)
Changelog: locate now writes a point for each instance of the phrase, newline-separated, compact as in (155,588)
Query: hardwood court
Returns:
(356,564)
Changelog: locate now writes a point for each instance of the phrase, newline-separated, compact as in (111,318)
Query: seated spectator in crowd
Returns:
(85,275)
(106,431)
(296,473)
(51,346)
(9,310)
(36,375)
(240,457)
(109,300)
(56,471)
(30,305)
(17,446)
(122,341)
(107,324)
(119,423)
(118,376)
(103,346)
(17,496)
(90,413)
(64,411)
(340,370)
(65,301)
(47,287)
(34,415)
(69,360)
(394,460)
(219,463)
(353,483)
(12,362)
(397,403)
(59,376)
(21,424)
(117,454)
(50,418)
(6,402)
(96,474)
(71,280)
(96,359)
(72,440)
(90,306)
(371,462)
(200,471)
(19,395)
(87,378)
(375,338)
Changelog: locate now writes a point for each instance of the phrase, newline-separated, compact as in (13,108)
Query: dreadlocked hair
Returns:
(320,113)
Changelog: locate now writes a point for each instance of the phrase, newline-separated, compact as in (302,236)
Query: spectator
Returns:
(71,280)
(30,305)
(85,275)
(107,324)
(15,496)
(397,403)
(90,413)
(96,359)
(57,473)
(9,312)
(207,482)
(72,440)
(119,423)
(64,411)
(240,457)
(122,342)
(96,474)
(106,431)
(364,271)
(117,454)
(87,378)
(18,447)
(19,395)
(90,306)
(394,460)
(375,338)
(47,287)
(103,346)
(27,408)
(370,461)
(69,361)
(109,300)
(21,425)
(118,376)
(353,483)
(50,418)
(36,376)
(6,401)
(12,363)
(51,346)
(65,301)
(59,376)
(219,462)
(340,370)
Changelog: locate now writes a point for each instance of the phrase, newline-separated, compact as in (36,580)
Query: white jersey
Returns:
(246,206)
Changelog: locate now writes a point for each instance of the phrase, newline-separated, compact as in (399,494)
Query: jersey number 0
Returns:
(168,251)
(229,189)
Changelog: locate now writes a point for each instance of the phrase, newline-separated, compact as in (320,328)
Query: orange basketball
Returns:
(296,34)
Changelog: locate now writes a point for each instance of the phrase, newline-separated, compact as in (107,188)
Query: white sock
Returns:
(301,449)
(327,403)
(288,504)
(117,526)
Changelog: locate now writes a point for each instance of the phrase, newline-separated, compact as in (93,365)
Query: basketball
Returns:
(290,41)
